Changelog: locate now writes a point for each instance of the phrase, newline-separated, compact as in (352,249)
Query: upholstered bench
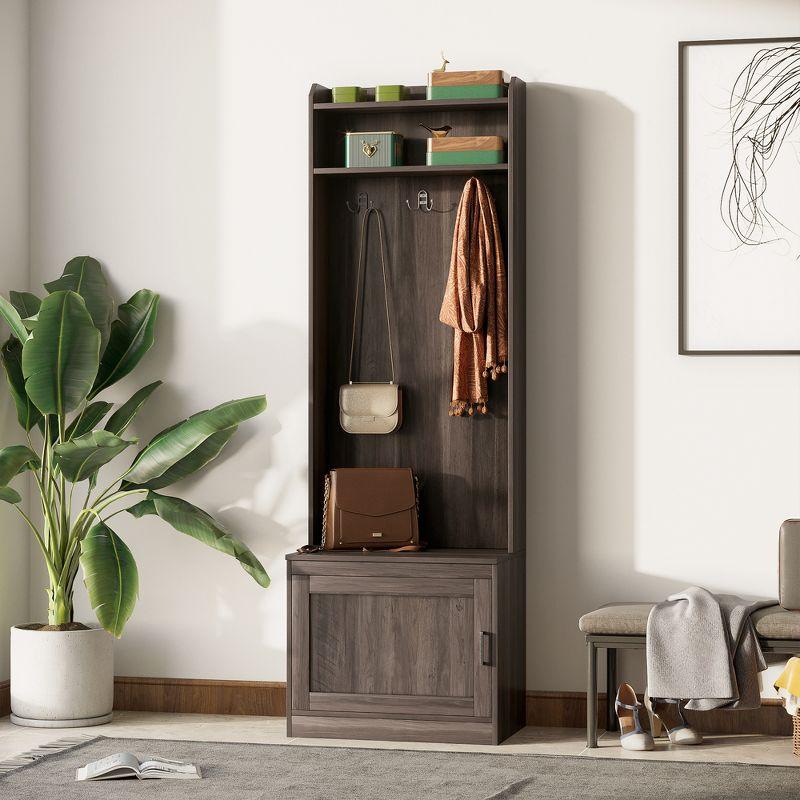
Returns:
(623,626)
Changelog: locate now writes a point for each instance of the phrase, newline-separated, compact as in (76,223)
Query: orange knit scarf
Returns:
(475,302)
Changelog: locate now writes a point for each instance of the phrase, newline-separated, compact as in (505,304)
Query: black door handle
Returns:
(486,648)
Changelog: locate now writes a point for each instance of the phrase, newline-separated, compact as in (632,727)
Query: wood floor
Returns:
(768,750)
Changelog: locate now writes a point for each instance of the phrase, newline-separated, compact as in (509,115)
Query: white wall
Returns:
(14,275)
(169,140)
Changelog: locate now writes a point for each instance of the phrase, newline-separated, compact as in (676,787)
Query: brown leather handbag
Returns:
(370,509)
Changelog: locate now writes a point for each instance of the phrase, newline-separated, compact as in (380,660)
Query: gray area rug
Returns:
(291,772)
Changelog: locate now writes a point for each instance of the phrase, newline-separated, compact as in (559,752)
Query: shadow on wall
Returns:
(581,283)
(581,379)
(226,602)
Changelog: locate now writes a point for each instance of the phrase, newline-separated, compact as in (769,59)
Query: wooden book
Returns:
(478,77)
(451,144)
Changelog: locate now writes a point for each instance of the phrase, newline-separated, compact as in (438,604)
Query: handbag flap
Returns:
(374,492)
(369,399)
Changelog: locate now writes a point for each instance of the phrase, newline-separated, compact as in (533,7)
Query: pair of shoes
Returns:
(631,734)
(677,729)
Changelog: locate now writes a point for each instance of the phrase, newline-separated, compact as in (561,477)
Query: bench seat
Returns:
(624,626)
(630,619)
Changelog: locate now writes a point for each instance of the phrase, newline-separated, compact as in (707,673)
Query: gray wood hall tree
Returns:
(423,646)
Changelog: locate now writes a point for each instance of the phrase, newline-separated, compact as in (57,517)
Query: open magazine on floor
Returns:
(127,765)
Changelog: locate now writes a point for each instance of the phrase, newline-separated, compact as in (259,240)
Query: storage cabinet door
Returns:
(392,645)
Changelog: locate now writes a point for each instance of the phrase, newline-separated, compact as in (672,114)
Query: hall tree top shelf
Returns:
(415,102)
(472,471)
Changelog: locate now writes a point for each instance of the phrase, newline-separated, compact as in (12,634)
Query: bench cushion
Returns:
(630,619)
(774,622)
(617,619)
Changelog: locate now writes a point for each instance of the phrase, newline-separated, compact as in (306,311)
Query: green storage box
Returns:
(465,157)
(465,84)
(373,149)
(464,92)
(449,150)
(388,93)
(348,94)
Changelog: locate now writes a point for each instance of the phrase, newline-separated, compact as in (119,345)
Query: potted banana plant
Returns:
(65,350)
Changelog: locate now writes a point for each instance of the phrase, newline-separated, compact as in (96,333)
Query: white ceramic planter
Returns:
(61,679)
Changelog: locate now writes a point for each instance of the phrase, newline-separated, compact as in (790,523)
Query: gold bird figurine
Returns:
(437,133)
(445,62)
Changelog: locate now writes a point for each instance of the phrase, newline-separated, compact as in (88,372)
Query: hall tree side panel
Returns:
(442,657)
(511,587)
(516,256)
(318,247)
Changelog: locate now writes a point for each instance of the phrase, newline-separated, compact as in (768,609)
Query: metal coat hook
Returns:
(362,202)
(424,203)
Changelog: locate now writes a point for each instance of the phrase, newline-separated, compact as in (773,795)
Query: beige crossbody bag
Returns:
(370,407)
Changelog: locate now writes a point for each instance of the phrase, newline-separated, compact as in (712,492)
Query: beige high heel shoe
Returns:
(682,733)
(631,734)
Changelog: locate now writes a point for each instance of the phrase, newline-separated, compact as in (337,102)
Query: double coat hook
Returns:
(425,203)
(362,202)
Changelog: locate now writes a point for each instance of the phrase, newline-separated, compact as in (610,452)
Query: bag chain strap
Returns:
(325,497)
(361,259)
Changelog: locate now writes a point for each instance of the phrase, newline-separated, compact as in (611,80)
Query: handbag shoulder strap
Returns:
(361,258)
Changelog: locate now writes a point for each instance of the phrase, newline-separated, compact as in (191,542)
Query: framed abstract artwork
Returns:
(739,197)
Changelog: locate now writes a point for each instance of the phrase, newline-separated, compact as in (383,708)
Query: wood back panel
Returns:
(462,463)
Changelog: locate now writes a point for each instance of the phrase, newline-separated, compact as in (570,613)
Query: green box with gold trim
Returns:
(373,149)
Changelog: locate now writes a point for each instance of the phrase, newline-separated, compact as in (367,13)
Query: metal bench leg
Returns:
(591,696)
(611,688)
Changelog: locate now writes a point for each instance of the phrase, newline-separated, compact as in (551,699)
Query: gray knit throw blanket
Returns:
(703,648)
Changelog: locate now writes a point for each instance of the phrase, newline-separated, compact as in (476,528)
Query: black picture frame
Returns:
(683,349)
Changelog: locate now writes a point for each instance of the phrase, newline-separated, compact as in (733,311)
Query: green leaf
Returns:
(9,495)
(84,275)
(88,420)
(176,443)
(60,360)
(197,459)
(82,457)
(27,413)
(30,323)
(131,337)
(124,415)
(12,317)
(15,459)
(111,577)
(195,522)
(27,304)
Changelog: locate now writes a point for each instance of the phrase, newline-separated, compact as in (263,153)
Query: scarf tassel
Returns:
(460,408)
(496,370)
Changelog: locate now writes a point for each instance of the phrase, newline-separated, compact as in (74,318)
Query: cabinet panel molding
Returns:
(392,704)
(299,650)
(429,587)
